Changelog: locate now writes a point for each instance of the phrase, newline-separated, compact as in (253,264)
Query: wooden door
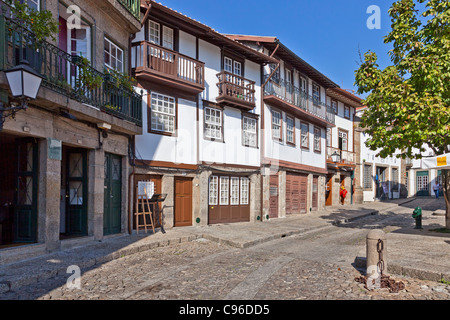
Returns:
(183,202)
(112,194)
(25,217)
(76,196)
(329,191)
(273,200)
(296,193)
(229,199)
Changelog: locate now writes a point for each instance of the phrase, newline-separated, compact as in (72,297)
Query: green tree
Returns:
(410,100)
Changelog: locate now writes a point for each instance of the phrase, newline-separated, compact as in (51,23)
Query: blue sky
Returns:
(325,33)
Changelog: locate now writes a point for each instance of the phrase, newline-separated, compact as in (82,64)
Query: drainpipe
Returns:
(132,162)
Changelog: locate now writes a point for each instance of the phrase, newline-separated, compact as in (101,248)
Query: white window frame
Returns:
(36,3)
(168,39)
(155,36)
(165,117)
(290,130)
(213,121)
(117,49)
(224,191)
(276,125)
(234,193)
(316,93)
(304,84)
(213,190)
(304,135)
(245,191)
(249,131)
(228,64)
(317,139)
(344,135)
(329,137)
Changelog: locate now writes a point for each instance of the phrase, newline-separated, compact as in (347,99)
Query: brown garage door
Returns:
(229,199)
(296,193)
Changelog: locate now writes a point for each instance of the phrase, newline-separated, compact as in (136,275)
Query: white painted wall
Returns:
(182,148)
(178,149)
(275,149)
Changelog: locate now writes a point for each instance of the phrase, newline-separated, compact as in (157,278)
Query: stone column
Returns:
(265,171)
(321,192)
(168,206)
(203,189)
(255,197)
(282,194)
(96,173)
(49,198)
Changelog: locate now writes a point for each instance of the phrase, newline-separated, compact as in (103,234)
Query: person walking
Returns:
(343,194)
(437,188)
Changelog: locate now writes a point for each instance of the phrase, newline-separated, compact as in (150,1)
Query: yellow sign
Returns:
(441,161)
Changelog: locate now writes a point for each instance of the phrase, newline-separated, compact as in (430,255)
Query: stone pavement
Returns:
(417,253)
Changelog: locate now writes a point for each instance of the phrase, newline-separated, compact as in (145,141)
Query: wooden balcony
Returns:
(236,91)
(347,158)
(157,64)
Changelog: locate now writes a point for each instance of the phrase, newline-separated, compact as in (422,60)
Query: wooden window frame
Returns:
(253,117)
(320,139)
(307,135)
(216,108)
(292,143)
(281,124)
(149,116)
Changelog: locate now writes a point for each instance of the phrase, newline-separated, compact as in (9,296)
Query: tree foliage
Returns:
(409,101)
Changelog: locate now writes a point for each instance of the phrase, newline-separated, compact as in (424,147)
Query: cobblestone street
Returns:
(312,265)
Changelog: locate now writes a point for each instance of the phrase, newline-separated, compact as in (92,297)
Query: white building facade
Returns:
(201,141)
(295,122)
(381,178)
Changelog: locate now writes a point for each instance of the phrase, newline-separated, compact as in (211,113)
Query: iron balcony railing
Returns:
(293,95)
(66,74)
(133,6)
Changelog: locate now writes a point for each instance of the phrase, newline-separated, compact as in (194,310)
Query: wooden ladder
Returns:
(145,205)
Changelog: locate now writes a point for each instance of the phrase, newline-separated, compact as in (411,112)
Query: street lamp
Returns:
(336,157)
(24,83)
